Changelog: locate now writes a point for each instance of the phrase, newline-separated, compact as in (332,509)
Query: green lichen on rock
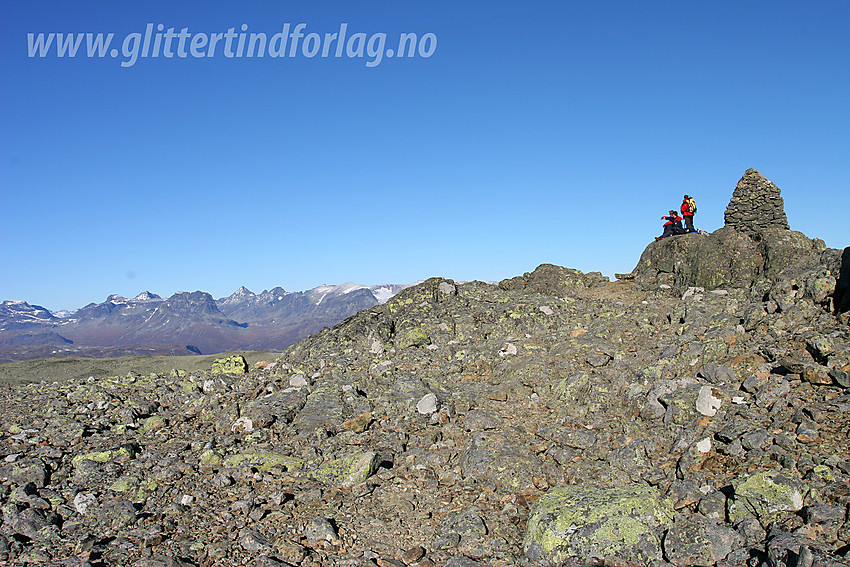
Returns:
(146,488)
(125,484)
(347,471)
(416,336)
(210,458)
(824,472)
(766,496)
(153,423)
(120,454)
(264,461)
(623,523)
(230,365)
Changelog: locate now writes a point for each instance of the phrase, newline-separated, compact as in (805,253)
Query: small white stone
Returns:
(376,347)
(427,405)
(243,424)
(187,500)
(704,446)
(298,381)
(707,404)
(83,500)
(508,349)
(446,288)
(546,310)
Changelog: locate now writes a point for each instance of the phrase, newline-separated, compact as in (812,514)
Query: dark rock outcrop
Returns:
(755,248)
(842,288)
(553,280)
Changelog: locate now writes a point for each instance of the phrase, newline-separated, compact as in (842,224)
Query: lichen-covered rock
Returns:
(231,365)
(591,524)
(554,280)
(412,337)
(766,495)
(347,471)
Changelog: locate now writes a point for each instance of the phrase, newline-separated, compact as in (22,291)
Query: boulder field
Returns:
(696,412)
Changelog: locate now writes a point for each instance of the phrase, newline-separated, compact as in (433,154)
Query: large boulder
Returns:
(235,364)
(766,495)
(549,279)
(574,525)
(726,258)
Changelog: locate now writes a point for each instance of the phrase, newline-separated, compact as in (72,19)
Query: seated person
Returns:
(672,226)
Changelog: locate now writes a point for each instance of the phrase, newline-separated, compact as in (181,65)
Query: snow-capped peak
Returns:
(146,296)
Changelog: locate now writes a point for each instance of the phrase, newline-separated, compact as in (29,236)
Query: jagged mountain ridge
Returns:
(185,323)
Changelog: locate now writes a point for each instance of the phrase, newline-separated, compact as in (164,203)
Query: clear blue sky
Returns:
(533,132)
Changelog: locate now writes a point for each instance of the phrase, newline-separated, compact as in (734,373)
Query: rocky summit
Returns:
(696,412)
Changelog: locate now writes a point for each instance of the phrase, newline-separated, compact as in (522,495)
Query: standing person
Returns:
(689,207)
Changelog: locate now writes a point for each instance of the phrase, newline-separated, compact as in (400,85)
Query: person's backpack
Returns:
(692,206)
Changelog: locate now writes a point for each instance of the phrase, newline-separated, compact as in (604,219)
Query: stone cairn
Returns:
(756,205)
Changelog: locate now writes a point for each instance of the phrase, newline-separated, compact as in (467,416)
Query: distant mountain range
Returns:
(185,323)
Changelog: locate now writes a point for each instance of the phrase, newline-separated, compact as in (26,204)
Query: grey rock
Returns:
(253,540)
(698,541)
(318,530)
(493,457)
(462,561)
(773,390)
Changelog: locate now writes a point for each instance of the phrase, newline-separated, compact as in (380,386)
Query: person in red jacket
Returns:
(688,214)
(672,226)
